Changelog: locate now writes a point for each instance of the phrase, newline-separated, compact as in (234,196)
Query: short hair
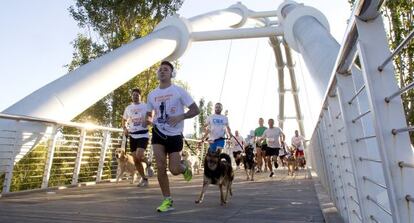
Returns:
(168,64)
(136,90)
(271,119)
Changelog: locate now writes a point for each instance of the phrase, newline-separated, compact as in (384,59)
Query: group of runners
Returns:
(165,111)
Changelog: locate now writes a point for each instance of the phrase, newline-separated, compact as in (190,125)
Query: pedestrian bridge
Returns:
(359,152)
(279,199)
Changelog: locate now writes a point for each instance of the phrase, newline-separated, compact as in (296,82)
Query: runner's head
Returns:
(261,121)
(135,95)
(271,122)
(296,133)
(165,71)
(218,107)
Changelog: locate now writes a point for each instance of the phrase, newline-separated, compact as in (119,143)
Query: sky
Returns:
(35,47)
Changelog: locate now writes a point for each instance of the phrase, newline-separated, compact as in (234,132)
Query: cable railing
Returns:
(62,154)
(362,119)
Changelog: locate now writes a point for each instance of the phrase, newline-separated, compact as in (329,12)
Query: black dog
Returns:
(249,162)
(218,171)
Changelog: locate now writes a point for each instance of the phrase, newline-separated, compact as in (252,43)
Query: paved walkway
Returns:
(279,199)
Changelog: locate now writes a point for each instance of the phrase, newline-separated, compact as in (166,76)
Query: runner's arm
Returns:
(193,111)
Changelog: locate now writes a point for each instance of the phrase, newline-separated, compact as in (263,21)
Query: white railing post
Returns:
(79,155)
(338,165)
(104,148)
(346,167)
(10,165)
(331,165)
(322,163)
(352,131)
(49,158)
(373,50)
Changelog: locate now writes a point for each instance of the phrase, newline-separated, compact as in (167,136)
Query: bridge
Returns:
(359,153)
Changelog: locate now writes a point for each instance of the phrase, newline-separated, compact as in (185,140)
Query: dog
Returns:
(291,161)
(192,161)
(125,164)
(249,162)
(217,171)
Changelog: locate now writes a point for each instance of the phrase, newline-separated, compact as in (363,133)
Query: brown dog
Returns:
(217,171)
(291,161)
(125,164)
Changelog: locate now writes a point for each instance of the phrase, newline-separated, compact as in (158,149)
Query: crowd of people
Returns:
(164,110)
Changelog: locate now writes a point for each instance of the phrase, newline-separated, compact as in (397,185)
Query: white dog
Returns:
(192,160)
(125,164)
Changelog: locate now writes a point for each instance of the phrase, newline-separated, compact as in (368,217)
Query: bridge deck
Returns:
(278,199)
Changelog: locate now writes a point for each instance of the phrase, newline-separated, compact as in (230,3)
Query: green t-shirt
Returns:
(258,132)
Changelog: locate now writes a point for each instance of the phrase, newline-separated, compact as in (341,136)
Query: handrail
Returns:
(56,122)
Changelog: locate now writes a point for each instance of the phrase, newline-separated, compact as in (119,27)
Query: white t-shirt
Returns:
(217,125)
(234,145)
(272,137)
(298,142)
(134,115)
(168,102)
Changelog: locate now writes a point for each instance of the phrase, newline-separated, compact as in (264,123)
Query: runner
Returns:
(168,102)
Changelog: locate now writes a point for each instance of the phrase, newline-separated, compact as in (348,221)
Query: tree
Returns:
(399,21)
(116,22)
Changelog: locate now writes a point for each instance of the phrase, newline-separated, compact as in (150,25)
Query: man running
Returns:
(274,137)
(135,126)
(260,146)
(168,102)
(297,143)
(218,127)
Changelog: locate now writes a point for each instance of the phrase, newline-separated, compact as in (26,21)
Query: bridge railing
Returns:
(360,147)
(39,154)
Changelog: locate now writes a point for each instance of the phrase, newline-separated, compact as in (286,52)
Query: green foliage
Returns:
(399,16)
(28,172)
(399,21)
(116,22)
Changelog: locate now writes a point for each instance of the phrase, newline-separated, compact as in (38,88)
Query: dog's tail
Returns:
(225,156)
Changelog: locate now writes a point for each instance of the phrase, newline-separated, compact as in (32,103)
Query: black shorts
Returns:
(262,147)
(272,151)
(236,153)
(134,144)
(171,143)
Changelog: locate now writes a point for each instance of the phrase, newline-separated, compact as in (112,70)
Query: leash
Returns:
(232,136)
(188,145)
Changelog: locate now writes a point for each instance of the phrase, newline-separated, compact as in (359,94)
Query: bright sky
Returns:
(36,46)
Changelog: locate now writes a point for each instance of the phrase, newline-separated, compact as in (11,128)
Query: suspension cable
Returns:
(250,84)
(225,70)
(266,82)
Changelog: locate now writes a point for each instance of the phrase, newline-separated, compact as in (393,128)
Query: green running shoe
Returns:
(188,174)
(166,205)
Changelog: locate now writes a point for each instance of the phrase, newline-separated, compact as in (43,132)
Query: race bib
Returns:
(271,140)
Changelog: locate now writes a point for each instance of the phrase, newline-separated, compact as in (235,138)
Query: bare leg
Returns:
(161,160)
(175,165)
(139,158)
(269,163)
(259,158)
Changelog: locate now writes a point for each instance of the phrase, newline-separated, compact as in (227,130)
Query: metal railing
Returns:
(61,154)
(363,120)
